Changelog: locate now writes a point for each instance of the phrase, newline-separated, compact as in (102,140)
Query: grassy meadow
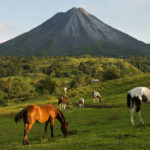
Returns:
(103,126)
(97,126)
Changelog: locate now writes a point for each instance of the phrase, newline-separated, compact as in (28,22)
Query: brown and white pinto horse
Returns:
(42,114)
(63,102)
(131,75)
(81,102)
(96,81)
(96,95)
(137,96)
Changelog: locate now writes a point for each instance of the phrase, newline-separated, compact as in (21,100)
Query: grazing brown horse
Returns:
(42,114)
(63,102)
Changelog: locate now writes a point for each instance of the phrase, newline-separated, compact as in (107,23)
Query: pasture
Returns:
(96,126)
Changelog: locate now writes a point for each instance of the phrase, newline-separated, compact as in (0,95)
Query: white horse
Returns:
(81,102)
(65,90)
(96,81)
(136,96)
(96,95)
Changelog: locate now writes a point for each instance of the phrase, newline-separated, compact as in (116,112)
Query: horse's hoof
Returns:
(25,143)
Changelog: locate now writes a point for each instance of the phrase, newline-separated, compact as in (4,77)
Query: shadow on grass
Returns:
(72,132)
(125,136)
(99,105)
(140,125)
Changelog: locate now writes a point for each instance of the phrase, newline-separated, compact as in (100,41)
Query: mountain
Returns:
(74,32)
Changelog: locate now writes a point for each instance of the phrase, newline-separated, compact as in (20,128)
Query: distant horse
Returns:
(96,95)
(96,81)
(81,102)
(131,75)
(63,102)
(42,114)
(65,90)
(136,96)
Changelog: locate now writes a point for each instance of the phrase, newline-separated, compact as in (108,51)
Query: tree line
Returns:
(25,77)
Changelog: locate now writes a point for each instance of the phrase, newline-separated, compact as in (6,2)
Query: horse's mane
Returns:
(58,116)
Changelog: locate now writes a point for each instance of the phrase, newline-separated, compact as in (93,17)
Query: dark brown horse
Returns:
(42,114)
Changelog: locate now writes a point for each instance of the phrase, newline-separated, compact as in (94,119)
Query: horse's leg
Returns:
(132,113)
(27,129)
(94,100)
(60,106)
(51,126)
(25,134)
(100,99)
(45,129)
(138,106)
(140,118)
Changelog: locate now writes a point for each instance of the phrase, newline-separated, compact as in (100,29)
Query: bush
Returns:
(17,88)
(111,72)
(46,86)
(3,99)
(77,82)
(53,70)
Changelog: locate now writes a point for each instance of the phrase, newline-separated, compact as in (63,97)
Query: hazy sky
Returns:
(129,16)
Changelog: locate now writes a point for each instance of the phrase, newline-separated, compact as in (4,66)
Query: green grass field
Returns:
(103,126)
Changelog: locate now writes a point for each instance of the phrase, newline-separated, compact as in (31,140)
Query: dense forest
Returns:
(24,77)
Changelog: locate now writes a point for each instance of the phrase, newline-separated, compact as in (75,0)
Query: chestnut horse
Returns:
(42,114)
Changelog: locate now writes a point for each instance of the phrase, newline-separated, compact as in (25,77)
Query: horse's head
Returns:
(64,128)
(100,99)
(60,100)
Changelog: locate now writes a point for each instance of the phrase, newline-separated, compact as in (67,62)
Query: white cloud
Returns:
(83,6)
(3,26)
(92,7)
(2,40)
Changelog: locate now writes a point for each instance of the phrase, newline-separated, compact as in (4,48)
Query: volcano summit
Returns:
(73,33)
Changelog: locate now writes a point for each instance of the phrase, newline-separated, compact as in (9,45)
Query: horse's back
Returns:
(64,100)
(139,92)
(41,113)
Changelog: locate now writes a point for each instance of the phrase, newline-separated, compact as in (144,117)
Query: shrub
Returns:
(111,72)
(47,85)
(3,99)
(77,82)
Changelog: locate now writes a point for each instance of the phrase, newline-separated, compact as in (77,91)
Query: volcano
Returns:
(72,33)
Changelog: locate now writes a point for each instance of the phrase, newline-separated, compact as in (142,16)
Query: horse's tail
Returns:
(20,115)
(128,100)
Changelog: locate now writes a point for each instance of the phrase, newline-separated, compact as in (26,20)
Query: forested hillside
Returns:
(22,77)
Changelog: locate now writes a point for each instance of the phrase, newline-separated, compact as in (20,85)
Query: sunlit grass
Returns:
(103,126)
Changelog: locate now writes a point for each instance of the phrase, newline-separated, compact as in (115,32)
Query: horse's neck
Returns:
(60,117)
